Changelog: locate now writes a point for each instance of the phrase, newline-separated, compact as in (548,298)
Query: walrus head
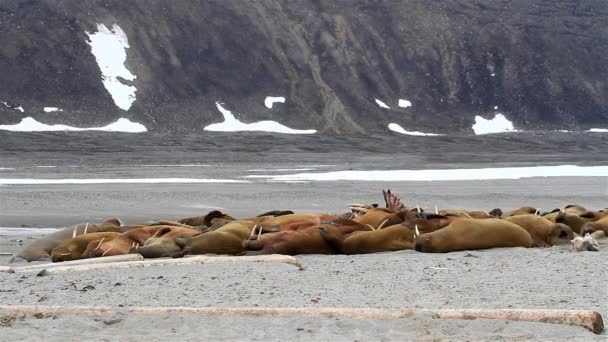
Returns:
(575,222)
(560,234)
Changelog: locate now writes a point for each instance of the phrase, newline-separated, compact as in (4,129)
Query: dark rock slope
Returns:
(542,63)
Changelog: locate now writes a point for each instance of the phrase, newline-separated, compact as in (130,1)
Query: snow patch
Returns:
(404,103)
(271,100)
(598,130)
(23,231)
(498,124)
(33,181)
(52,109)
(382,104)
(109,48)
(30,124)
(11,107)
(231,124)
(445,175)
(397,128)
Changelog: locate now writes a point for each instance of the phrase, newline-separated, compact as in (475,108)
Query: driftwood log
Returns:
(591,320)
(101,263)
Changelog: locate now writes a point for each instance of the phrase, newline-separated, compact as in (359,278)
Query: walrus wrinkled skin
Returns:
(306,241)
(543,232)
(228,239)
(394,238)
(575,222)
(522,211)
(40,249)
(125,243)
(163,242)
(471,234)
(591,227)
(73,249)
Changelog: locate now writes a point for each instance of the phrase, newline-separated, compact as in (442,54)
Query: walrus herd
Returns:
(366,228)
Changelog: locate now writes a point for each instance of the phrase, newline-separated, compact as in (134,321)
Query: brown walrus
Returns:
(306,241)
(40,249)
(295,221)
(227,239)
(543,232)
(394,238)
(204,220)
(522,211)
(163,242)
(125,243)
(470,234)
(575,222)
(591,227)
(73,249)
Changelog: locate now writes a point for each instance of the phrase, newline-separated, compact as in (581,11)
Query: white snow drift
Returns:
(15,108)
(404,103)
(382,104)
(52,109)
(32,181)
(397,128)
(271,100)
(598,130)
(499,124)
(109,48)
(231,124)
(30,124)
(445,175)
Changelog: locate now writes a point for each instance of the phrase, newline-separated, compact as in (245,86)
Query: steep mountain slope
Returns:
(540,63)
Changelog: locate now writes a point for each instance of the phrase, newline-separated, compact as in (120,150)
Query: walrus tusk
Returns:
(109,249)
(357,205)
(371,227)
(63,254)
(74,232)
(591,320)
(252,231)
(417,208)
(436,210)
(86,227)
(259,232)
(100,242)
(416,230)
(467,215)
(536,212)
(382,224)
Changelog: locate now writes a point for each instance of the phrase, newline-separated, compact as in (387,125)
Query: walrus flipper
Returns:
(332,240)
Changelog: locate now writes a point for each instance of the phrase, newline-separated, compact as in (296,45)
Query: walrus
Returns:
(295,221)
(591,227)
(470,234)
(227,239)
(125,243)
(73,249)
(205,220)
(163,242)
(40,249)
(575,222)
(593,215)
(522,211)
(394,238)
(573,209)
(306,241)
(543,232)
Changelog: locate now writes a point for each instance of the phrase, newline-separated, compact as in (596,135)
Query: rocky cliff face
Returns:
(541,63)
